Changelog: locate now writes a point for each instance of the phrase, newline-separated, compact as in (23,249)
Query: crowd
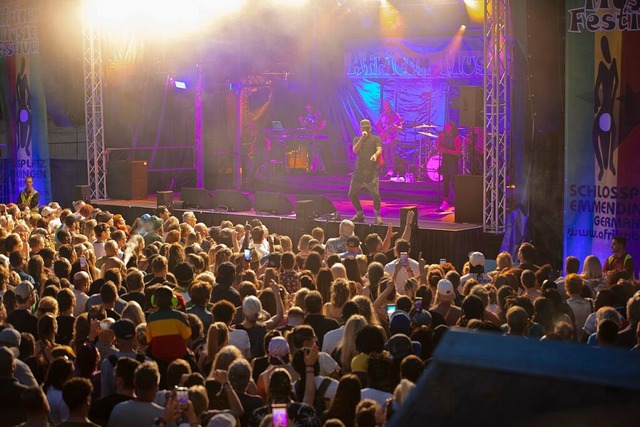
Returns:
(169,321)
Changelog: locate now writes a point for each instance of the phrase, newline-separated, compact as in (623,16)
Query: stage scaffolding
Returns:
(96,155)
(497,112)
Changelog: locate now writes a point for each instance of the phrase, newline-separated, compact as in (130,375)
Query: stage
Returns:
(438,235)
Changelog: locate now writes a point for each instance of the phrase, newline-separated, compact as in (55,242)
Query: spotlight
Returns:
(463,27)
(180,84)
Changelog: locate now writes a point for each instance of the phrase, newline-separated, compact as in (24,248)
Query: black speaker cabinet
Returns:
(469,191)
(232,200)
(403,216)
(83,192)
(321,205)
(471,106)
(304,210)
(127,180)
(274,203)
(195,198)
(164,198)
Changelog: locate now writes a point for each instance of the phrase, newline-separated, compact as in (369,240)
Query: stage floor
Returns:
(438,235)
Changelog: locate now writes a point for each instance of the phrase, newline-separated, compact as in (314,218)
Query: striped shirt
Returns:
(167,331)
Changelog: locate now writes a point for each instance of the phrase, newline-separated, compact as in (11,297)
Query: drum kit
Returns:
(429,160)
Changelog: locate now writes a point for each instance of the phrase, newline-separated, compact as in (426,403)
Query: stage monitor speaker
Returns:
(196,198)
(403,216)
(83,192)
(471,105)
(469,191)
(127,180)
(273,203)
(232,200)
(304,210)
(321,205)
(164,198)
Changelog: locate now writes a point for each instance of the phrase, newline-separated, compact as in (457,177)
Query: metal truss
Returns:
(497,112)
(96,154)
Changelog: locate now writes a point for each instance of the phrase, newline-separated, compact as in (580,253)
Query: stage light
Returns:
(463,27)
(180,84)
(475,10)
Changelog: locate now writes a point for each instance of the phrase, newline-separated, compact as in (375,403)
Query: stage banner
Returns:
(22,97)
(420,77)
(602,131)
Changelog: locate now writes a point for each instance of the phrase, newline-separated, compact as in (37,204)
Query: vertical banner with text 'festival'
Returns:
(602,152)
(22,97)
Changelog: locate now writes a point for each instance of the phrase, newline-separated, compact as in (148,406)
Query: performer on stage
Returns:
(29,196)
(314,121)
(368,149)
(388,125)
(449,145)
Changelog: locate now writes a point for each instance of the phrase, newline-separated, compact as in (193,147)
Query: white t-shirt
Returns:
(481,278)
(331,339)
(378,396)
(240,339)
(402,276)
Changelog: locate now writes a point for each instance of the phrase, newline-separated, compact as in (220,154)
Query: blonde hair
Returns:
(339,292)
(348,342)
(225,357)
(133,312)
(47,305)
(503,260)
(339,271)
(217,336)
(591,268)
(366,309)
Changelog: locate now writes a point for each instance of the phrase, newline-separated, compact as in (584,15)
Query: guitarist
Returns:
(388,125)
(314,122)
(450,147)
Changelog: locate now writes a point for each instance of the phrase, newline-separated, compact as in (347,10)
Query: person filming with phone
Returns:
(403,267)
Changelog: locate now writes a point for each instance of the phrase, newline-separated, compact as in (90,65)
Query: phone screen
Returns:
(443,260)
(83,262)
(391,308)
(280,415)
(418,303)
(404,258)
(247,254)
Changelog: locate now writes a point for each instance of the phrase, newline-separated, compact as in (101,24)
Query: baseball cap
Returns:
(399,323)
(24,289)
(445,289)
(353,241)
(46,211)
(146,217)
(183,272)
(222,419)
(11,339)
(124,329)
(399,346)
(365,123)
(421,318)
(104,216)
(476,259)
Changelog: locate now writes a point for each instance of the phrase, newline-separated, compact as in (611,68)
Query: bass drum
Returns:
(432,170)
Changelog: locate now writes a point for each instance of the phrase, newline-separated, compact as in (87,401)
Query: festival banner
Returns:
(22,97)
(602,131)
(423,58)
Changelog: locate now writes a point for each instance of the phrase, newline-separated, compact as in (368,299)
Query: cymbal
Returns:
(428,134)
(424,126)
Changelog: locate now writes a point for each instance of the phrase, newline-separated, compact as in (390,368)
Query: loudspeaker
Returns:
(304,210)
(469,191)
(321,205)
(164,198)
(196,198)
(471,106)
(83,192)
(274,203)
(127,179)
(403,217)
(232,200)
